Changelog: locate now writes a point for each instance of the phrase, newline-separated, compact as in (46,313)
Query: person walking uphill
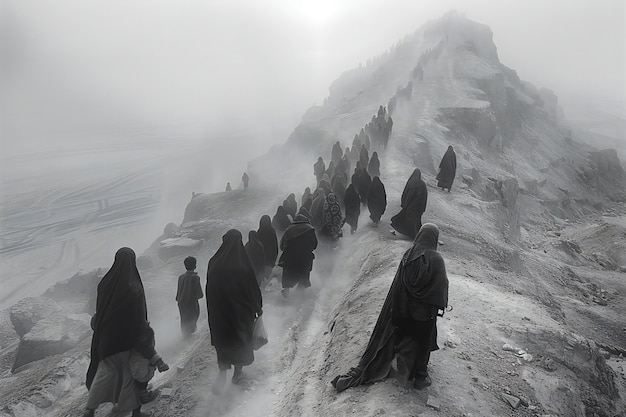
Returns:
(413,203)
(407,323)
(233,302)
(447,169)
(120,326)
(297,244)
(267,236)
(188,293)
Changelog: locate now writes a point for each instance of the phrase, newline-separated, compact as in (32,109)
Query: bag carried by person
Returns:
(259,334)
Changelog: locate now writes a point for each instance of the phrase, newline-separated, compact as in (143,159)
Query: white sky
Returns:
(82,67)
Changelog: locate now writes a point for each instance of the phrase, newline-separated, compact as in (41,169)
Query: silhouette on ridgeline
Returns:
(413,204)
(319,169)
(447,169)
(245,179)
(228,187)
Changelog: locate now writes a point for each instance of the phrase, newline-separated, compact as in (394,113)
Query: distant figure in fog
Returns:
(122,336)
(297,244)
(304,212)
(233,303)
(407,324)
(292,205)
(187,295)
(352,202)
(306,196)
(245,179)
(267,236)
(280,221)
(377,200)
(336,153)
(228,187)
(364,157)
(317,208)
(413,203)
(332,222)
(447,170)
(374,166)
(254,249)
(338,187)
(319,169)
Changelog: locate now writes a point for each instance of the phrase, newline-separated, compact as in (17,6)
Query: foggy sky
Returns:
(189,68)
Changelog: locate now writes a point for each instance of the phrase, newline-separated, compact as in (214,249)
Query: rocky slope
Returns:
(534,236)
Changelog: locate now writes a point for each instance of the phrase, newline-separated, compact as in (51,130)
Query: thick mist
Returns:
(113,113)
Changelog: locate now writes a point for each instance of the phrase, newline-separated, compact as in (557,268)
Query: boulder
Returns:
(29,311)
(177,247)
(51,335)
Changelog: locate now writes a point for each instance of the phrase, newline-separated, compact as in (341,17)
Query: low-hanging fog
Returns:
(128,107)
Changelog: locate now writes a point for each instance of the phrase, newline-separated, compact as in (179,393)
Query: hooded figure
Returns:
(352,203)
(304,212)
(306,197)
(338,187)
(377,200)
(364,184)
(374,166)
(233,303)
(336,153)
(413,203)
(290,205)
(245,179)
(317,208)
(188,293)
(333,220)
(407,323)
(280,222)
(364,157)
(343,166)
(447,169)
(267,236)
(297,244)
(120,325)
(319,168)
(256,253)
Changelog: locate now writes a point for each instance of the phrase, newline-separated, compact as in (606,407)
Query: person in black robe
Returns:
(352,202)
(280,221)
(355,177)
(120,325)
(330,171)
(267,236)
(245,179)
(233,302)
(297,244)
(338,187)
(336,153)
(293,204)
(306,196)
(364,184)
(343,166)
(377,200)
(317,208)
(364,157)
(447,170)
(256,253)
(228,187)
(413,203)
(188,293)
(304,212)
(319,169)
(289,207)
(374,166)
(407,324)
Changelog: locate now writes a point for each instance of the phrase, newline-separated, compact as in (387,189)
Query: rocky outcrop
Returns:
(29,311)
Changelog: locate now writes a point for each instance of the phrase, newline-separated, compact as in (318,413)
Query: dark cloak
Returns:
(338,187)
(377,200)
(267,236)
(344,166)
(121,314)
(280,222)
(317,208)
(447,169)
(364,157)
(352,203)
(188,293)
(336,153)
(254,249)
(305,196)
(319,169)
(413,203)
(420,279)
(298,244)
(364,184)
(233,300)
(374,166)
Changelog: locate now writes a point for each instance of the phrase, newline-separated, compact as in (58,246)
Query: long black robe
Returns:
(280,221)
(298,244)
(374,166)
(447,169)
(233,302)
(319,169)
(352,202)
(413,203)
(305,197)
(419,289)
(364,184)
(317,208)
(121,314)
(188,293)
(267,236)
(364,157)
(338,187)
(256,253)
(377,200)
(336,153)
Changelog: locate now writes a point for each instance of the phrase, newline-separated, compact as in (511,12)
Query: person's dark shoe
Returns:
(148,396)
(421,383)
